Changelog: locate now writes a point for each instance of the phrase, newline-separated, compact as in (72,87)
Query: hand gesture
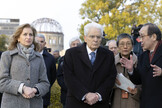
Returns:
(157,70)
(132,91)
(128,64)
(117,82)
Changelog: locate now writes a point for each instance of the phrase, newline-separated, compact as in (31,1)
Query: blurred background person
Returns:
(137,49)
(0,92)
(104,40)
(122,98)
(23,78)
(50,66)
(111,44)
(56,55)
(74,42)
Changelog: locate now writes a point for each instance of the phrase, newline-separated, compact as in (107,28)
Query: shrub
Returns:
(55,96)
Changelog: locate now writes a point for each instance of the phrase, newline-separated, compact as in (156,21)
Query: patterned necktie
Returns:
(93,57)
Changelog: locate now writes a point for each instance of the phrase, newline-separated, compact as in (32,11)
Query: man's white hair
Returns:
(108,42)
(92,25)
(74,39)
(41,36)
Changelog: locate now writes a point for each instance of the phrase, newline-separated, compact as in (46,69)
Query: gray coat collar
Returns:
(16,51)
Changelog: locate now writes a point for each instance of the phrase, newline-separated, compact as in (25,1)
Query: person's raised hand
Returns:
(157,71)
(128,64)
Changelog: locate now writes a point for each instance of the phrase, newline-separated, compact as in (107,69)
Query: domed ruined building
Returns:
(52,31)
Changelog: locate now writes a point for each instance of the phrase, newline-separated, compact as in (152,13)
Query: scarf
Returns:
(28,52)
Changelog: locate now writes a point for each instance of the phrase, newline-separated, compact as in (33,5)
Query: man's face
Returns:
(74,43)
(41,42)
(56,55)
(146,41)
(113,47)
(93,39)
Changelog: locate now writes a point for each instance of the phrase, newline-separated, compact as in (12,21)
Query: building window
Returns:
(50,41)
(60,40)
(54,41)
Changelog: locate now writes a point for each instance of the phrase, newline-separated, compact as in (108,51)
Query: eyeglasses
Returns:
(93,36)
(128,44)
(141,37)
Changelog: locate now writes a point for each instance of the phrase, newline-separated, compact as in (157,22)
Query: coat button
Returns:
(28,79)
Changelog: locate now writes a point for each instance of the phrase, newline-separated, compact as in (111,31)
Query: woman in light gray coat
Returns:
(23,78)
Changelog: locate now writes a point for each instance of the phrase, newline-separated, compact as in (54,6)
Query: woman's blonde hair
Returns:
(16,35)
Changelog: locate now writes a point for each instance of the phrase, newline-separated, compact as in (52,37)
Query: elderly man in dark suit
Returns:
(50,66)
(89,71)
(149,68)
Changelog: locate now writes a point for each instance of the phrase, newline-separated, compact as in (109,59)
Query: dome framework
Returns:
(52,31)
(47,25)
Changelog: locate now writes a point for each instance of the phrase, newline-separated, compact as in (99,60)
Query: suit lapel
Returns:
(84,56)
(147,61)
(100,56)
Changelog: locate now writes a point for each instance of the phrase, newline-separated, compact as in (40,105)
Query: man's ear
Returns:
(85,38)
(154,37)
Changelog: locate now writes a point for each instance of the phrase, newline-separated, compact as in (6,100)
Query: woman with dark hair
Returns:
(23,78)
(124,99)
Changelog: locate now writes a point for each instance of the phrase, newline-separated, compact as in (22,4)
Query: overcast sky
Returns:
(66,12)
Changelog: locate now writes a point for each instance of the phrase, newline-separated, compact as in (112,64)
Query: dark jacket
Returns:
(81,77)
(151,86)
(0,93)
(137,49)
(61,82)
(51,73)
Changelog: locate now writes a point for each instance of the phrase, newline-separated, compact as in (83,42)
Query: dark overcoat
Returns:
(81,77)
(51,74)
(151,86)
(60,80)
(0,93)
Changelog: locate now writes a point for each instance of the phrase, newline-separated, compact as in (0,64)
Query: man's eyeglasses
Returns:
(141,37)
(93,36)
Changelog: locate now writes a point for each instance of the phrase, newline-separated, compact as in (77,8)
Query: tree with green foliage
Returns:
(3,42)
(118,16)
